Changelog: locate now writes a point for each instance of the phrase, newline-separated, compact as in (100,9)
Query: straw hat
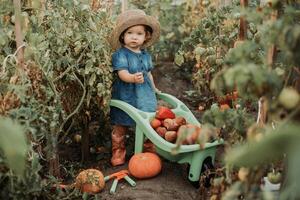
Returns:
(130,18)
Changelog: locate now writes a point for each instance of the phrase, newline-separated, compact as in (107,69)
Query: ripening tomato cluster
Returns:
(227,100)
(169,126)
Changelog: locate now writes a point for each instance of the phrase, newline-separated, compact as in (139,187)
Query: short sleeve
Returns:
(150,64)
(119,61)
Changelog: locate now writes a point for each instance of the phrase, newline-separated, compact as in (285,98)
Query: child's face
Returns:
(134,37)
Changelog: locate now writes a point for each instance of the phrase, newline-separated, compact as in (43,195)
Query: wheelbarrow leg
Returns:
(197,162)
(195,165)
(139,140)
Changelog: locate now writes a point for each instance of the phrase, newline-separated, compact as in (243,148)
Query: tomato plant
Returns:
(60,91)
(64,81)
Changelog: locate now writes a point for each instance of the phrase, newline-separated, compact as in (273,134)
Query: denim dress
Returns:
(140,95)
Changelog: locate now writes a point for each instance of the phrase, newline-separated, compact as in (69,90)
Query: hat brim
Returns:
(132,21)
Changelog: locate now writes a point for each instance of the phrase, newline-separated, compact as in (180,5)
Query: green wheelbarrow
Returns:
(191,154)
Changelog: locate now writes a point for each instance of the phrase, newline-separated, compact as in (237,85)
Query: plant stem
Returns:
(76,109)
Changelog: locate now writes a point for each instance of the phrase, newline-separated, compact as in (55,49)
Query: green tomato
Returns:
(243,173)
(92,150)
(77,138)
(200,51)
(257,37)
(274,177)
(205,3)
(289,98)
(219,61)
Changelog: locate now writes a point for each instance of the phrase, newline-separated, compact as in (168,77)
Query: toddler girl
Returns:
(132,64)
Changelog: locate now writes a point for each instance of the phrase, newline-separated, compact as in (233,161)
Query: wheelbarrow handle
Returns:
(114,187)
(106,178)
(130,181)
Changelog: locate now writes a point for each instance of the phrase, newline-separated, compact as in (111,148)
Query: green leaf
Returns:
(200,51)
(36,4)
(179,59)
(69,32)
(291,190)
(13,143)
(92,79)
(272,146)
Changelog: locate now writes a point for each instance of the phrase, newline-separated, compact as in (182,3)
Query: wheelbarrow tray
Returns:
(191,154)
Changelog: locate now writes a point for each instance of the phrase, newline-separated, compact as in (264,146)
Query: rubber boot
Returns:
(118,145)
(149,146)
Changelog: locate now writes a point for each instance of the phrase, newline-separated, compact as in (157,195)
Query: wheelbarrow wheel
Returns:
(206,175)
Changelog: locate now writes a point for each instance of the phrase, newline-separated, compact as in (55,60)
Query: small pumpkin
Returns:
(90,181)
(144,165)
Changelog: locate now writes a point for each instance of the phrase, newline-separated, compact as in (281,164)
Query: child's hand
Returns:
(157,90)
(138,77)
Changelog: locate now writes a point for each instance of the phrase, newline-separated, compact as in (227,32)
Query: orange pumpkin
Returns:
(144,165)
(90,181)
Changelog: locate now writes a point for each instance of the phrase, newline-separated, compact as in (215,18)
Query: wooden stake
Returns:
(18,32)
(95,5)
(110,7)
(243,22)
(124,5)
(262,111)
(227,2)
(272,50)
(85,141)
(54,166)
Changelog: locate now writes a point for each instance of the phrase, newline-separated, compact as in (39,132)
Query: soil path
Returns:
(170,79)
(172,182)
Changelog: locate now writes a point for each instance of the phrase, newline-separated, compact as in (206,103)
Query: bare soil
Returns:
(176,81)
(171,183)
